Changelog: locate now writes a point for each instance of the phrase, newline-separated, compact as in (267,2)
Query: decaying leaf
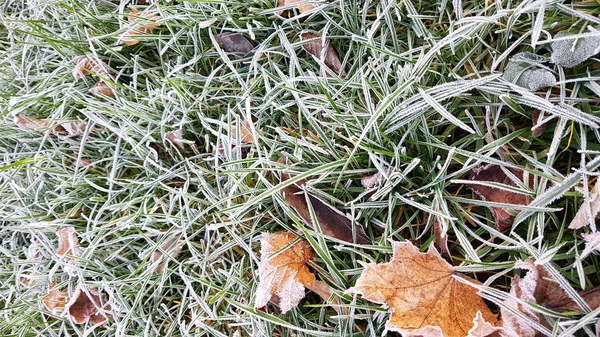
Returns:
(375,180)
(87,65)
(88,305)
(245,133)
(56,299)
(589,208)
(441,237)
(481,328)
(282,270)
(102,89)
(176,137)
(495,174)
(592,244)
(172,248)
(31,123)
(68,246)
(143,24)
(571,52)
(65,129)
(71,129)
(301,7)
(537,129)
(332,222)
(423,292)
(315,48)
(234,43)
(526,70)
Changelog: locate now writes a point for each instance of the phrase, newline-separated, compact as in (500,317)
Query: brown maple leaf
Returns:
(332,222)
(56,299)
(494,174)
(282,271)
(424,293)
(88,305)
(315,48)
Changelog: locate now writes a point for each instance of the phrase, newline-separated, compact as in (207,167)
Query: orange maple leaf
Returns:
(424,293)
(282,270)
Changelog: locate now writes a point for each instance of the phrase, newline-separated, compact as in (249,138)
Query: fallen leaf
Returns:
(172,248)
(70,129)
(282,270)
(537,129)
(375,180)
(441,238)
(526,70)
(87,65)
(234,43)
(315,48)
(245,133)
(68,246)
(301,7)
(482,328)
(589,209)
(56,299)
(88,305)
(102,89)
(423,293)
(571,52)
(83,162)
(495,174)
(143,25)
(31,123)
(332,222)
(176,137)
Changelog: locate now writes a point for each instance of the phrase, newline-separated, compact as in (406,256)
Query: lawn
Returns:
(149,146)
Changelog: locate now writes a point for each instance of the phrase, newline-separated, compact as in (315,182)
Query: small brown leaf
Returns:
(31,123)
(282,271)
(589,208)
(332,222)
(143,25)
(373,181)
(537,129)
(423,292)
(245,133)
(70,129)
(494,174)
(315,48)
(172,248)
(302,8)
(88,305)
(176,137)
(102,89)
(56,299)
(68,246)
(86,65)
(234,43)
(441,238)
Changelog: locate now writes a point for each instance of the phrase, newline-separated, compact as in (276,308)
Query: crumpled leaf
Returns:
(494,174)
(482,328)
(56,299)
(68,247)
(176,137)
(302,8)
(64,129)
(102,89)
(31,123)
(143,25)
(71,129)
(172,248)
(592,244)
(315,48)
(589,208)
(571,52)
(87,65)
(234,43)
(525,70)
(282,270)
(332,222)
(88,305)
(375,180)
(423,293)
(243,141)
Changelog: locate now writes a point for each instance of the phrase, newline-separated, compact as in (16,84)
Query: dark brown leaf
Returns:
(234,43)
(494,174)
(331,221)
(91,306)
(315,48)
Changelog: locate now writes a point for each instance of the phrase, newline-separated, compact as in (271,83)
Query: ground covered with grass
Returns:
(423,102)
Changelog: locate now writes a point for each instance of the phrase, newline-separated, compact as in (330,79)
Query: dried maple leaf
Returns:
(332,222)
(102,89)
(56,299)
(86,65)
(301,7)
(494,174)
(172,248)
(143,25)
(282,270)
(234,43)
(88,305)
(68,246)
(31,123)
(315,48)
(423,292)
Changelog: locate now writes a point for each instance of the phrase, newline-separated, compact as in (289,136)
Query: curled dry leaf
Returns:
(315,48)
(537,129)
(56,299)
(495,174)
(234,43)
(172,248)
(68,246)
(375,180)
(423,292)
(298,4)
(176,137)
(70,129)
(331,221)
(87,65)
(88,305)
(589,209)
(102,89)
(31,123)
(441,237)
(245,133)
(142,25)
(64,129)
(282,270)
(482,328)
